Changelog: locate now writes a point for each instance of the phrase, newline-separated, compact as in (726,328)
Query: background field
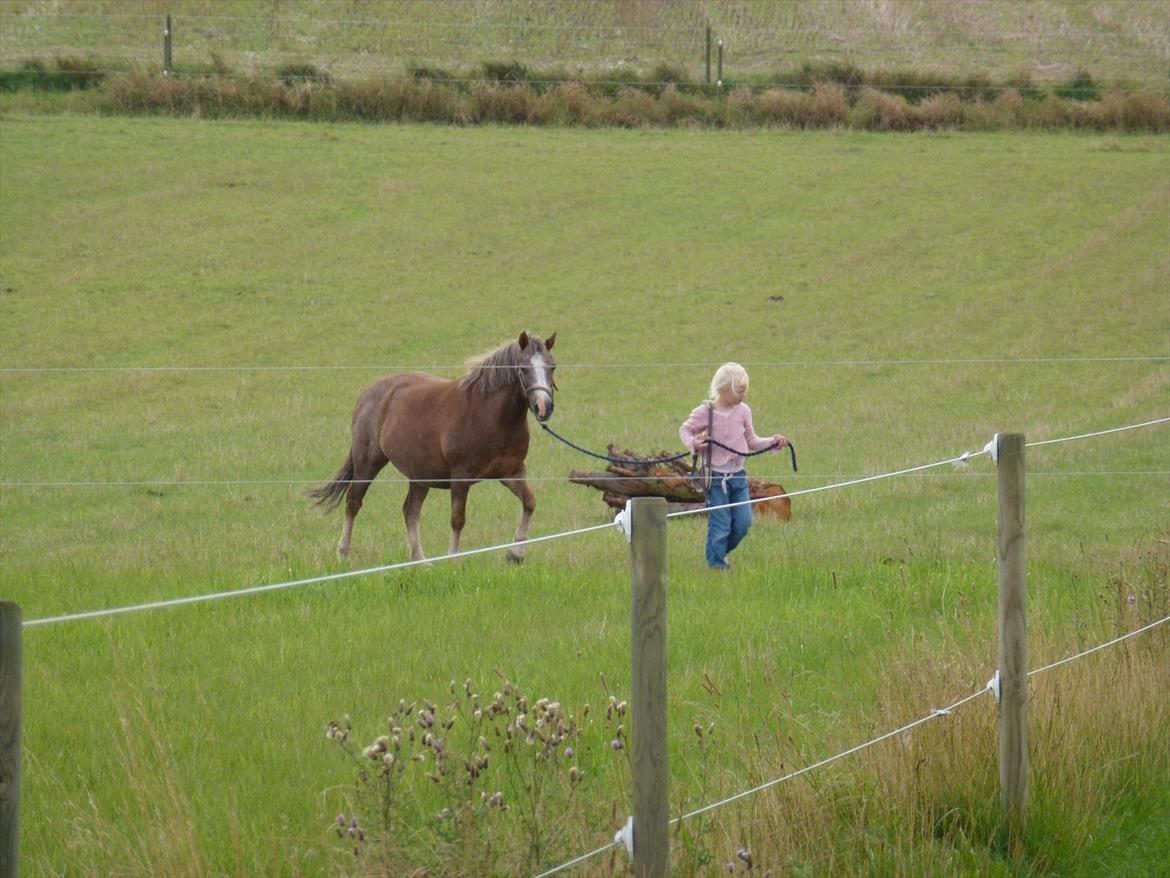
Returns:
(1046,40)
(188,310)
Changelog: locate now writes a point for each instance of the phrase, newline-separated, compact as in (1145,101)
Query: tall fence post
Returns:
(10,728)
(1013,635)
(708,54)
(648,686)
(720,78)
(167,48)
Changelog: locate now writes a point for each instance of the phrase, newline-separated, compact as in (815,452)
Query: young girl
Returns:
(730,424)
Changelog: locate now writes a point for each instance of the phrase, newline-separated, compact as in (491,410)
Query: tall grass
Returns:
(923,803)
(823,104)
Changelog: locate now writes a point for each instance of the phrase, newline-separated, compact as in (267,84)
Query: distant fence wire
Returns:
(530,25)
(372,44)
(699,28)
(446,367)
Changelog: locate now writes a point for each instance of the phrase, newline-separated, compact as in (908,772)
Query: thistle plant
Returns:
(696,853)
(448,772)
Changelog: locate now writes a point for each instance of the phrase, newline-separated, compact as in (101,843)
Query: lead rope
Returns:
(671,459)
(707,474)
(618,460)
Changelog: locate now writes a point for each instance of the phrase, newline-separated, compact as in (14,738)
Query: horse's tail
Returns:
(329,495)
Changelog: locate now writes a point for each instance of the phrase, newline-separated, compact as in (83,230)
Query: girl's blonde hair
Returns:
(730,375)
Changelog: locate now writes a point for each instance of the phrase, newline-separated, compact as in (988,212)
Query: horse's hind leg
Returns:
(411,510)
(363,474)
(519,487)
(458,513)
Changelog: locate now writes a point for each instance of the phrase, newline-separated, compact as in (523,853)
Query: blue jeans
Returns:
(726,528)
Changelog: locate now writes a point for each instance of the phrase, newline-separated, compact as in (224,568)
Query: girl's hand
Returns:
(779,442)
(700,442)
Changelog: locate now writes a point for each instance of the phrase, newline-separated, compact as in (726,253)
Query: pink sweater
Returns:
(733,428)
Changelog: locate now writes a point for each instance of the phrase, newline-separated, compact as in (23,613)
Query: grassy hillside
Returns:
(188,311)
(1049,40)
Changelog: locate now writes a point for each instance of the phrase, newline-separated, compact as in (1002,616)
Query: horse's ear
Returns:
(523,340)
(548,342)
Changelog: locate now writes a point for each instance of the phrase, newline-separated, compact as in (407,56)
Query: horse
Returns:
(448,434)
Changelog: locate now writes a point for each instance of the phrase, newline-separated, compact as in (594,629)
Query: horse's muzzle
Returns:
(541,405)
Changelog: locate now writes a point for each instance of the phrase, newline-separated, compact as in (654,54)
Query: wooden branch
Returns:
(632,478)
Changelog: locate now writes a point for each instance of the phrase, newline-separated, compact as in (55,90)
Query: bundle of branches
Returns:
(622,481)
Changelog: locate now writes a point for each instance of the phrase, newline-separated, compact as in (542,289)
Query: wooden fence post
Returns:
(708,54)
(1013,639)
(10,675)
(648,687)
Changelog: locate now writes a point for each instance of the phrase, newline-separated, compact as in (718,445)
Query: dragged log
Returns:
(622,481)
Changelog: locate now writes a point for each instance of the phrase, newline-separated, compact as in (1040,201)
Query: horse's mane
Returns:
(491,372)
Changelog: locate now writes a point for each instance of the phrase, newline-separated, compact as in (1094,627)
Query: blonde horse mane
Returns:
(492,371)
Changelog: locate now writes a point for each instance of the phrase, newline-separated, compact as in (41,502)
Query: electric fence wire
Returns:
(962,459)
(311,580)
(402,480)
(350,574)
(935,713)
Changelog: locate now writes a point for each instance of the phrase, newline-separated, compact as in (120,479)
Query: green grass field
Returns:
(188,311)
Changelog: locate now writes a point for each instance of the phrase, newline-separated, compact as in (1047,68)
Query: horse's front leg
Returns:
(519,486)
(458,512)
(411,510)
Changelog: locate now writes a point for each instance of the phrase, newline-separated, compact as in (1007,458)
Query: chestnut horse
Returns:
(449,434)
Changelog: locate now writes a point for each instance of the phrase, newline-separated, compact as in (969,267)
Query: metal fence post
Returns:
(648,687)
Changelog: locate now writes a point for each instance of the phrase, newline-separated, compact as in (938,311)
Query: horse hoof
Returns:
(513,558)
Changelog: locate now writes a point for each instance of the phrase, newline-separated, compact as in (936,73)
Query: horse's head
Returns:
(535,372)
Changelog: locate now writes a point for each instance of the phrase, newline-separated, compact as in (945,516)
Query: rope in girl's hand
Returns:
(791,450)
(672,458)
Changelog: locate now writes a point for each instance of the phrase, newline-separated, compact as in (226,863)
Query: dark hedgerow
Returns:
(808,74)
(296,73)
(434,74)
(1023,84)
(1080,88)
(515,95)
(665,76)
(505,72)
(610,83)
(65,74)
